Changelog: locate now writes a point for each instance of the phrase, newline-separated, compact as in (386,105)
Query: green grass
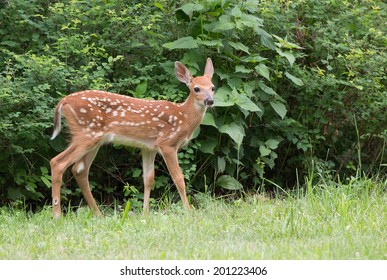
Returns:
(348,221)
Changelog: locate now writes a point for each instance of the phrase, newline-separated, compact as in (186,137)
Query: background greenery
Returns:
(301,91)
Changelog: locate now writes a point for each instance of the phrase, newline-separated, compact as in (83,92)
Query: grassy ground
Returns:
(344,222)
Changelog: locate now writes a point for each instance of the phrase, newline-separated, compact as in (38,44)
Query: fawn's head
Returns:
(201,87)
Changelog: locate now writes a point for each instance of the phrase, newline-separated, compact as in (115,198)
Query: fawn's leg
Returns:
(58,165)
(170,157)
(81,173)
(148,169)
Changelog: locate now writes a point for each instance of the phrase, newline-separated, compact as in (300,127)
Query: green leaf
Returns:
(196,133)
(136,44)
(224,24)
(220,27)
(182,43)
(208,145)
(244,19)
(239,46)
(254,58)
(267,89)
(263,70)
(221,164)
(272,143)
(266,38)
(190,8)
(229,183)
(160,6)
(136,173)
(285,43)
(279,108)
(236,132)
(45,181)
(287,54)
(221,97)
(212,43)
(264,151)
(236,12)
(295,80)
(242,69)
(31,186)
(44,170)
(141,89)
(245,103)
(11,44)
(219,102)
(209,120)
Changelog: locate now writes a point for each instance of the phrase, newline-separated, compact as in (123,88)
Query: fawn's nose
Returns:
(209,101)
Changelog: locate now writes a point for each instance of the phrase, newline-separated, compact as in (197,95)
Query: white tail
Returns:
(95,118)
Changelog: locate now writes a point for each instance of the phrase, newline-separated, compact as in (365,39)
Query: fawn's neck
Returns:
(193,111)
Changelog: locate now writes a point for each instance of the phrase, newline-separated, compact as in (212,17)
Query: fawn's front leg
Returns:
(148,169)
(170,157)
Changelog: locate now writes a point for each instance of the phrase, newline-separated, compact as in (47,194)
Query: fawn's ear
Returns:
(182,73)
(209,69)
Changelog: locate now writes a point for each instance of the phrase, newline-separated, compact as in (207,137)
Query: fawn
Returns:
(96,117)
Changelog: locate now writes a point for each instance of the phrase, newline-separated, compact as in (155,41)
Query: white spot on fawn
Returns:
(98,134)
(82,110)
(170,119)
(81,167)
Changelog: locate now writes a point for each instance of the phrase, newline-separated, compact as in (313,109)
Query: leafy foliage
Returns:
(229,31)
(300,86)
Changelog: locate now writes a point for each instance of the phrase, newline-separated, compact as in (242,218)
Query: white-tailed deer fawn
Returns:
(95,118)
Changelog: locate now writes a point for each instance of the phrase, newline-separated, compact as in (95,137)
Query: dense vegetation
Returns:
(301,90)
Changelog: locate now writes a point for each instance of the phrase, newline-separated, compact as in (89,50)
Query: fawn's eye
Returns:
(196,89)
(213,88)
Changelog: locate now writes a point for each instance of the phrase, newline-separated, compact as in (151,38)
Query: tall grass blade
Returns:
(126,212)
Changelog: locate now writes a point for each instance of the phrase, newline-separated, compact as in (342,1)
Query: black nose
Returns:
(209,102)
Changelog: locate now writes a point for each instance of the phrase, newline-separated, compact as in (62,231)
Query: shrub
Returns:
(300,85)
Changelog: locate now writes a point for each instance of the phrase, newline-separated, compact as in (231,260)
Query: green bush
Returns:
(300,86)
(340,113)
(239,138)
